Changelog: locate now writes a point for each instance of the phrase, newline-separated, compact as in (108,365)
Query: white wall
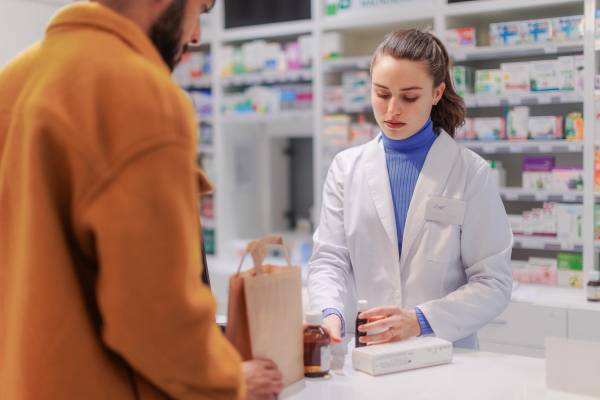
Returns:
(22,23)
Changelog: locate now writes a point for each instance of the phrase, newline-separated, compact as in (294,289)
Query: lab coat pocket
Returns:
(444,242)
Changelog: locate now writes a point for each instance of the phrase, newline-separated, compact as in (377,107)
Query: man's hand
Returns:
(399,324)
(263,379)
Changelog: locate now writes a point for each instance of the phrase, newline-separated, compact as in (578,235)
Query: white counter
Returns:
(475,375)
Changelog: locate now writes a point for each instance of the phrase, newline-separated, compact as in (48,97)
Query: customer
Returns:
(100,296)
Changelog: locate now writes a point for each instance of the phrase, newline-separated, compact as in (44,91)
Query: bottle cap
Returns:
(363,305)
(314,318)
(594,275)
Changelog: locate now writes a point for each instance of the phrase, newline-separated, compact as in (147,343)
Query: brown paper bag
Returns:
(264,315)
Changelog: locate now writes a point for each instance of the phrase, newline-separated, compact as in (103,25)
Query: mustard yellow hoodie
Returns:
(100,296)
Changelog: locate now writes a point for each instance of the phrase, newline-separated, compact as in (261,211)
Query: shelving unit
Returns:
(524,146)
(518,194)
(364,33)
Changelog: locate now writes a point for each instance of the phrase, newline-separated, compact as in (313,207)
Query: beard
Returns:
(166,33)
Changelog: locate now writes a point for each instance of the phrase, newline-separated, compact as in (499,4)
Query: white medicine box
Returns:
(515,77)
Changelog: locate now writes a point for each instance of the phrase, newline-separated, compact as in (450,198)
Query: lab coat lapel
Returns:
(379,185)
(432,180)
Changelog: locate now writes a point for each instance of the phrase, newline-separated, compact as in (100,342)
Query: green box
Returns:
(568,261)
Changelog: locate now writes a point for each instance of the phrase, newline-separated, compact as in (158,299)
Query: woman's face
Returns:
(402,96)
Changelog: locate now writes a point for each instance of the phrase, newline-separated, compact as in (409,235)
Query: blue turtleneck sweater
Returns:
(404,159)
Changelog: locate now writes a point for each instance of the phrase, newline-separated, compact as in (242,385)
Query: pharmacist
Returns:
(411,221)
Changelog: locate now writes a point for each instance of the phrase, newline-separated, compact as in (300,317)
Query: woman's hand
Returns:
(333,325)
(399,324)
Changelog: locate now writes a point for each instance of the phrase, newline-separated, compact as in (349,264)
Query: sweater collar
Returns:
(92,14)
(423,137)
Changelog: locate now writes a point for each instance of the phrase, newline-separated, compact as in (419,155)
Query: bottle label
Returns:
(593,292)
(309,370)
(325,358)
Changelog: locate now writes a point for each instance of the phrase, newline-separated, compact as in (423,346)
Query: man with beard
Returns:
(100,296)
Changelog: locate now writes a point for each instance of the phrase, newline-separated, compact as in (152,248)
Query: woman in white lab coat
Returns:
(411,221)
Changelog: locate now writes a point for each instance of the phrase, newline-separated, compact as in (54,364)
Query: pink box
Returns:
(543,271)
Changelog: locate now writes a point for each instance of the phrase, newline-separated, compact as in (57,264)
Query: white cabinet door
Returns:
(526,325)
(584,325)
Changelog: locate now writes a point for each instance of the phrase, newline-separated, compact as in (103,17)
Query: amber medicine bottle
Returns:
(317,352)
(593,286)
(363,305)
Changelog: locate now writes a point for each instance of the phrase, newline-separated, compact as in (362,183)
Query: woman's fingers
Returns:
(378,337)
(383,323)
(380,311)
(377,318)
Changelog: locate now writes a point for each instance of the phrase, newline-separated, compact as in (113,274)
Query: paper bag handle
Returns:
(259,247)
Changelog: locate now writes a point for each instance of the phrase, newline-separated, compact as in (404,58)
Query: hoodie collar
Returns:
(98,16)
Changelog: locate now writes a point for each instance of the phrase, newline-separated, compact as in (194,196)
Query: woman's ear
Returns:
(438,92)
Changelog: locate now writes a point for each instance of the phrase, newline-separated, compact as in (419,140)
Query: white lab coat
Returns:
(457,274)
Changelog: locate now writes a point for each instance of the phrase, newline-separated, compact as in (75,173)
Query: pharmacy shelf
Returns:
(518,194)
(283,116)
(525,99)
(524,50)
(267,77)
(336,109)
(347,64)
(209,119)
(489,6)
(546,243)
(277,29)
(377,20)
(205,149)
(201,83)
(525,146)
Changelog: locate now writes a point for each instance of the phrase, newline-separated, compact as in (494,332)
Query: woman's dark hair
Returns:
(416,45)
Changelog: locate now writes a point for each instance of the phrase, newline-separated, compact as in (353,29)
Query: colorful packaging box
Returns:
(489,128)
(550,221)
(537,173)
(461,38)
(543,271)
(570,270)
(488,81)
(574,126)
(568,28)
(597,170)
(579,66)
(516,223)
(520,270)
(537,31)
(537,221)
(567,179)
(568,218)
(515,77)
(465,132)
(566,73)
(517,122)
(545,127)
(507,33)
(598,23)
(597,221)
(357,90)
(544,75)
(463,80)
(333,45)
(498,172)
(527,223)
